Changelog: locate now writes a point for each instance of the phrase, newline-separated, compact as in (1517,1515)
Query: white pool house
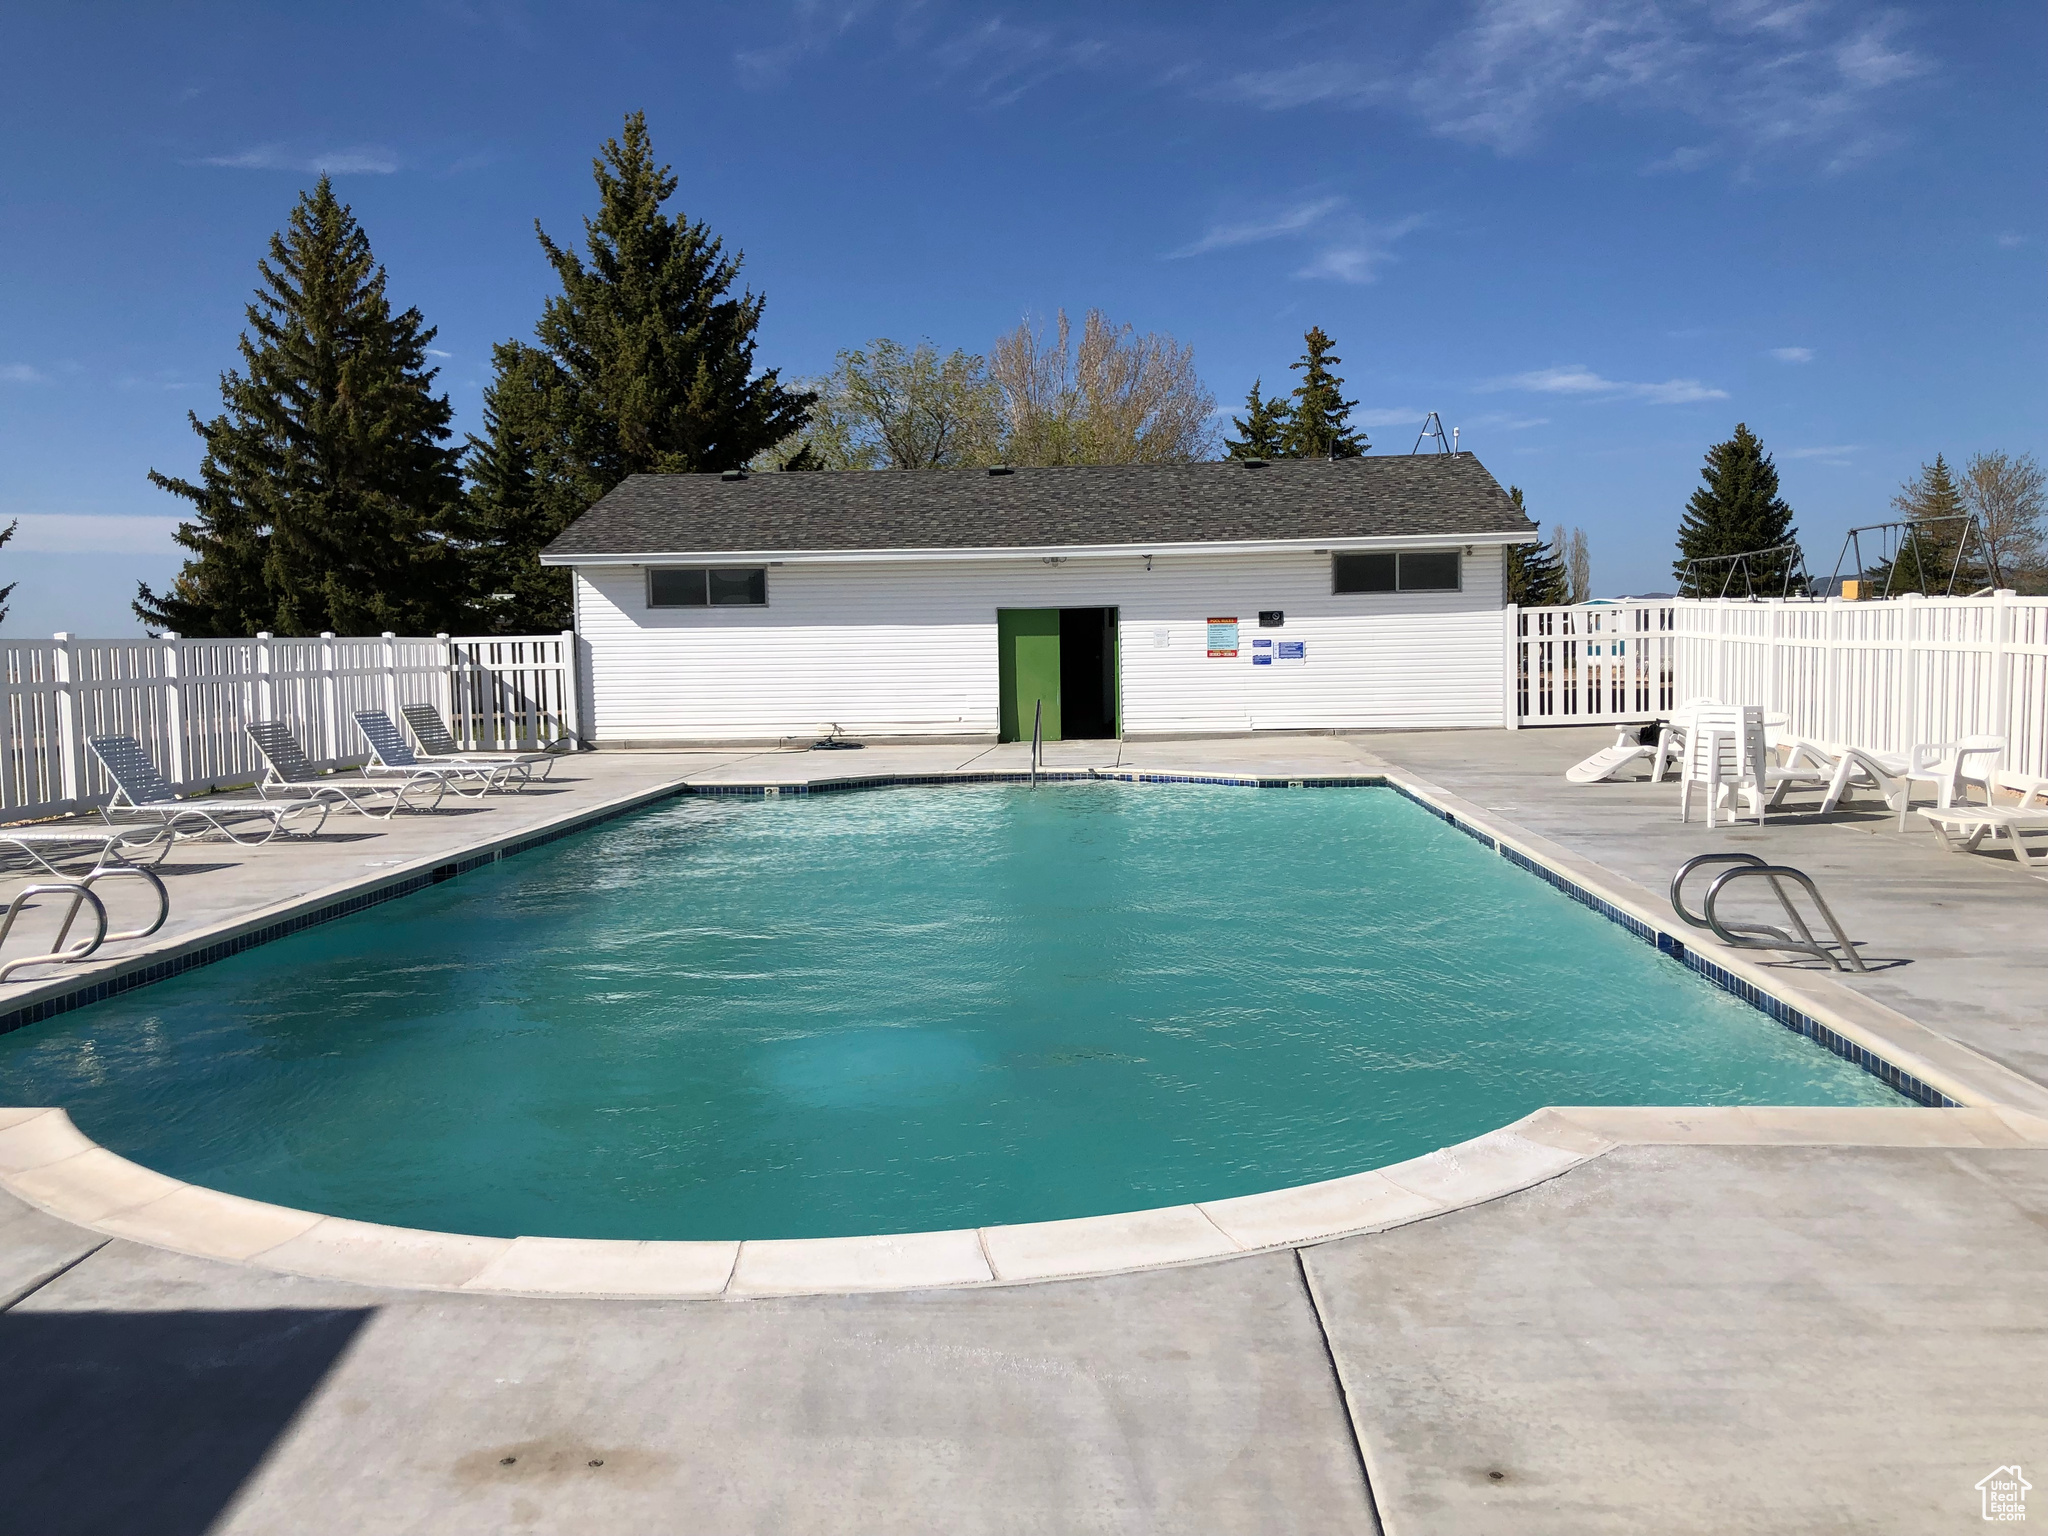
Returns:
(1126,600)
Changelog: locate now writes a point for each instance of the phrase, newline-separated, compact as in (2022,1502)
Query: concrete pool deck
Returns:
(1710,1322)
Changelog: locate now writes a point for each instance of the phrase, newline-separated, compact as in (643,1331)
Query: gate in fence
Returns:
(1591,663)
(187,702)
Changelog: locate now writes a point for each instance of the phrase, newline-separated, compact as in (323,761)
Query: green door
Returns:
(1029,642)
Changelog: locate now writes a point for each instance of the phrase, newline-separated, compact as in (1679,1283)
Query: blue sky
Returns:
(1593,234)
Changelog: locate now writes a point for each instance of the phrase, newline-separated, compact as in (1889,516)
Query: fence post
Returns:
(264,708)
(71,740)
(572,687)
(330,704)
(177,752)
(459,727)
(391,674)
(1511,713)
(2001,685)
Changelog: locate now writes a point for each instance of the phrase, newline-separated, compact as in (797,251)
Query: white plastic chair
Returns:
(1724,751)
(1671,736)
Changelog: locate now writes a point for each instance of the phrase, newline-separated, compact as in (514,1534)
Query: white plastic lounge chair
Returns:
(1948,766)
(288,771)
(437,741)
(390,754)
(1609,761)
(1963,827)
(142,793)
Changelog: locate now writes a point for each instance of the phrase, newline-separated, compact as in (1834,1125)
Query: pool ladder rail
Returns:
(82,897)
(1763,935)
(1037,739)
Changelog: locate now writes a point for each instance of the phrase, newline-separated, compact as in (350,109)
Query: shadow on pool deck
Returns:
(150,1422)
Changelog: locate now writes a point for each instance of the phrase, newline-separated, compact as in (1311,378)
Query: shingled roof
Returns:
(1095,506)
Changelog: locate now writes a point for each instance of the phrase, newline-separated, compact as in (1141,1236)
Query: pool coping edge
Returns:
(47,1163)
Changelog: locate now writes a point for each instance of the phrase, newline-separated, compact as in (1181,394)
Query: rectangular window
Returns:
(1365,573)
(1430,570)
(1425,570)
(747,586)
(718,586)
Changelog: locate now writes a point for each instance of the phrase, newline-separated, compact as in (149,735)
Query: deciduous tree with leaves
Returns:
(888,406)
(2005,491)
(644,363)
(1737,510)
(327,496)
(1116,398)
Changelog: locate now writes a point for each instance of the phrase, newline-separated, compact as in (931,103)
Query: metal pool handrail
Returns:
(1762,935)
(1037,739)
(81,896)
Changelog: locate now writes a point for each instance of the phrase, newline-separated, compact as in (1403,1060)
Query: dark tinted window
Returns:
(1430,570)
(744,587)
(1364,573)
(675,589)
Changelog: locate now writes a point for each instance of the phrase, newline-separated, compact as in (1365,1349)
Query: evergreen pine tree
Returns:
(645,364)
(8,590)
(1735,511)
(1536,579)
(1925,560)
(1318,423)
(1260,428)
(326,494)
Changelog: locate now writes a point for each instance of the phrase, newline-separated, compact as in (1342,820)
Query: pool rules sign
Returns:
(1223,637)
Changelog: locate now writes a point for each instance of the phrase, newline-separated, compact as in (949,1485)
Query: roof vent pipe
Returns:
(999,469)
(1253,463)
(732,474)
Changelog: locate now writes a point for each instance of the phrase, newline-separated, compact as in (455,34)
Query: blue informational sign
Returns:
(1262,653)
(1294,650)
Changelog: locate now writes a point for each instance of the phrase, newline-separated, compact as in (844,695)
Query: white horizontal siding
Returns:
(909,648)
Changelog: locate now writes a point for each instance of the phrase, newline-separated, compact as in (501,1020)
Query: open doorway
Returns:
(1058,665)
(1087,674)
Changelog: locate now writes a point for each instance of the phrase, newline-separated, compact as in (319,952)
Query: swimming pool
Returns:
(903,1010)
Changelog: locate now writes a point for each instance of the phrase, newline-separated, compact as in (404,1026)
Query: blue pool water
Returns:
(906,1009)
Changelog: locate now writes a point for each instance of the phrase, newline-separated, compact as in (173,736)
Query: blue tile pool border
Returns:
(1770,1005)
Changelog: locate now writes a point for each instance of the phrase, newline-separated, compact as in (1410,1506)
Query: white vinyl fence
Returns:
(187,702)
(1883,675)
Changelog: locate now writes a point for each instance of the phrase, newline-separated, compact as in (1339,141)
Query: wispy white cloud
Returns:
(362,160)
(21,373)
(160,380)
(1286,221)
(1358,253)
(1575,379)
(1687,157)
(1759,76)
(84,533)
(996,60)
(1837,455)
(1793,354)
(2009,241)
(1401,416)
(437,352)
(1505,421)
(1347,247)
